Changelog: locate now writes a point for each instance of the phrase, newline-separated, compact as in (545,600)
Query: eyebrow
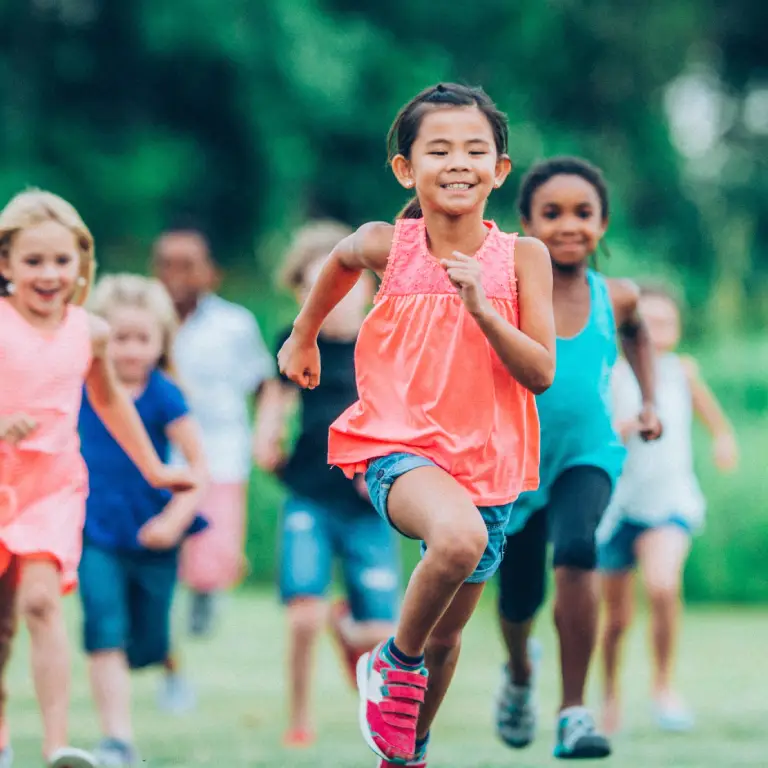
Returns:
(448,141)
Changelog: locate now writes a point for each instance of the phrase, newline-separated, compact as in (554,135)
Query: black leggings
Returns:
(578,498)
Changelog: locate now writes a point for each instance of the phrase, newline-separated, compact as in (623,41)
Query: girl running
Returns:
(50,346)
(445,428)
(657,507)
(564,202)
(133,531)
(326,516)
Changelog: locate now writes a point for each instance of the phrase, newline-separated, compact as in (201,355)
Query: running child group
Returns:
(126,447)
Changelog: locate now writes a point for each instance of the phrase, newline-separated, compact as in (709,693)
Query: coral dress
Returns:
(43,479)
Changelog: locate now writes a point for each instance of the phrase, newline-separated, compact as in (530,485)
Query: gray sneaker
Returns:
(516,705)
(175,694)
(202,614)
(114,753)
(578,737)
(6,757)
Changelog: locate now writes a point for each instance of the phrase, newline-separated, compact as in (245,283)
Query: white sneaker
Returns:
(516,705)
(70,757)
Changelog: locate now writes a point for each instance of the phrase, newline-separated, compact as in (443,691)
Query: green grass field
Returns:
(240,715)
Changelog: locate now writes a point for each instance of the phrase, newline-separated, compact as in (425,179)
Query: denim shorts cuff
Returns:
(481,577)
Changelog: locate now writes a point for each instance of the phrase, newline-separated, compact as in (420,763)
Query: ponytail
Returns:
(412,210)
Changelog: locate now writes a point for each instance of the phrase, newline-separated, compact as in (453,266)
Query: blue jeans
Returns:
(618,553)
(314,533)
(126,599)
(383,471)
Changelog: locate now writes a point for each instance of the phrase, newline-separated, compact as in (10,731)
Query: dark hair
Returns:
(406,126)
(186,223)
(542,172)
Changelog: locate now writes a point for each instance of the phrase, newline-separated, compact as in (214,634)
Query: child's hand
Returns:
(13,429)
(466,274)
(268,455)
(299,360)
(649,425)
(173,478)
(726,453)
(160,532)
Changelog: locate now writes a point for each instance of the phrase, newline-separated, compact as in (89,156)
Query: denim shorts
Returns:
(313,534)
(126,599)
(618,552)
(383,471)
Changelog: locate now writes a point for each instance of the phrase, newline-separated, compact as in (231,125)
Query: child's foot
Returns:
(115,753)
(298,738)
(391,695)
(70,757)
(175,694)
(349,654)
(516,710)
(6,757)
(577,736)
(611,715)
(671,714)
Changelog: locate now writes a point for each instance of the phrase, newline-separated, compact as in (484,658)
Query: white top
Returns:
(658,480)
(221,359)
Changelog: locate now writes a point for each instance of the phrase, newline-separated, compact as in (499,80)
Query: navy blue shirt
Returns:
(120,499)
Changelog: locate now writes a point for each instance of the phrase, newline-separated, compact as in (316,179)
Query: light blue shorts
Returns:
(618,552)
(383,471)
(313,534)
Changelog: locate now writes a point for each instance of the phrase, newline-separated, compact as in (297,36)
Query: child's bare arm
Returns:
(277,402)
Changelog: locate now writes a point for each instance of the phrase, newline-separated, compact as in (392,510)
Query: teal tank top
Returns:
(575,413)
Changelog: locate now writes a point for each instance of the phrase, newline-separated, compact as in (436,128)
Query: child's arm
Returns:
(708,409)
(277,402)
(118,413)
(527,352)
(637,347)
(367,248)
(165,530)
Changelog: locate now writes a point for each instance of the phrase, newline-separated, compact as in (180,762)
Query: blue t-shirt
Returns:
(120,499)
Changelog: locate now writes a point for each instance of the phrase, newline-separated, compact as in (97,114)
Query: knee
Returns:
(663,594)
(305,617)
(39,604)
(578,552)
(616,625)
(458,552)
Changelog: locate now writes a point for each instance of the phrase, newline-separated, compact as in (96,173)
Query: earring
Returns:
(409,183)
(497,184)
(81,281)
(9,287)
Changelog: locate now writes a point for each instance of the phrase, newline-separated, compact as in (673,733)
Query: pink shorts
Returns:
(214,559)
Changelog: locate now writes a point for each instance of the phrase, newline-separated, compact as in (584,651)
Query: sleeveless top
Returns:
(430,384)
(658,481)
(42,376)
(576,411)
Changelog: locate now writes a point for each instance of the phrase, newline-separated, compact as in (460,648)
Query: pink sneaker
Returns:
(390,700)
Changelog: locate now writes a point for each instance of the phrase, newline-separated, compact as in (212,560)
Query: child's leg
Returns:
(423,502)
(104,598)
(8,623)
(428,504)
(617,594)
(305,574)
(522,587)
(662,553)
(616,560)
(39,600)
(370,562)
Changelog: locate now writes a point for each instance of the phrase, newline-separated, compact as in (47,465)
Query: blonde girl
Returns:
(133,531)
(50,346)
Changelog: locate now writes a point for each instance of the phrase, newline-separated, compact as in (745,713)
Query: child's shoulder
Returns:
(162,384)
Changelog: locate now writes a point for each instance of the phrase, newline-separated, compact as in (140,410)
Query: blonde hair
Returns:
(126,290)
(310,243)
(35,206)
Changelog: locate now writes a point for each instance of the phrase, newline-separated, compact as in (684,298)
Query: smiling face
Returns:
(135,344)
(43,264)
(453,162)
(183,264)
(566,215)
